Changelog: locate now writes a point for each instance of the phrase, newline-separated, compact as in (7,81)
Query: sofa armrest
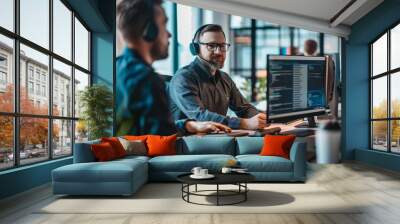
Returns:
(298,157)
(83,152)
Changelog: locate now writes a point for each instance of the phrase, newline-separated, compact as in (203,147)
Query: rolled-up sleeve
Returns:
(185,94)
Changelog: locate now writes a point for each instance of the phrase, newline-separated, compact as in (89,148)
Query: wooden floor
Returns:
(377,188)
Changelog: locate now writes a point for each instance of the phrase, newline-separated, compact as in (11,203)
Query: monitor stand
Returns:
(311,122)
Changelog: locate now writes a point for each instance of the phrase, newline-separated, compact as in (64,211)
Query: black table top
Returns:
(220,178)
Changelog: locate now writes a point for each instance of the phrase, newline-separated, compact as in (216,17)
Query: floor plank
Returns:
(377,190)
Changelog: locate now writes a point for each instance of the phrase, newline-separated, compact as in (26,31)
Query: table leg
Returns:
(217,194)
(245,193)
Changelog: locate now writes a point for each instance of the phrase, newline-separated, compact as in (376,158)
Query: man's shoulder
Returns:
(133,73)
(224,76)
(185,73)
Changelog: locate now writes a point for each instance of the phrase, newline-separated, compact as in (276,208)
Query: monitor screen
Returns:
(295,87)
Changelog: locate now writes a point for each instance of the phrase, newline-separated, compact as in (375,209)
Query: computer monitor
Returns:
(295,88)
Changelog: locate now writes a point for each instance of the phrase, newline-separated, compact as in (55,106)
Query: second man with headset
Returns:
(203,92)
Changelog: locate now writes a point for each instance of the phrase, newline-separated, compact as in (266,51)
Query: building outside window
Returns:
(3,77)
(30,72)
(30,87)
(56,133)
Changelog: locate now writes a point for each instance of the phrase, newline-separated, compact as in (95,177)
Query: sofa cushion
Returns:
(185,163)
(116,145)
(257,163)
(277,145)
(112,171)
(134,147)
(135,137)
(131,158)
(83,152)
(161,145)
(249,145)
(103,152)
(197,145)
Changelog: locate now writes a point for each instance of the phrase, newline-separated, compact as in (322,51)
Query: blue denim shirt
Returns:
(142,104)
(197,94)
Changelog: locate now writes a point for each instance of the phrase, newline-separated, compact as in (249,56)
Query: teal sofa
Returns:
(125,176)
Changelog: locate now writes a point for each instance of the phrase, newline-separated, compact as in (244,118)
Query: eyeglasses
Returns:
(223,47)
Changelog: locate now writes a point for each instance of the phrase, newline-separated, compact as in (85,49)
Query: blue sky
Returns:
(35,27)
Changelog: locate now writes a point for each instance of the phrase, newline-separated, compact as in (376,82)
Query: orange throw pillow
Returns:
(161,145)
(103,152)
(116,145)
(135,138)
(277,145)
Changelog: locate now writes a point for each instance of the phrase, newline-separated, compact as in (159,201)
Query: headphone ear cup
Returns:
(194,48)
(151,32)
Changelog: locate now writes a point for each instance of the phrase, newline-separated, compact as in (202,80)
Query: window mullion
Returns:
(16,84)
(50,81)
(73,82)
(389,101)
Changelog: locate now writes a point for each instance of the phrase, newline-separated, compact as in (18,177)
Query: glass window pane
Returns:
(379,135)
(240,51)
(379,98)
(81,81)
(81,131)
(6,74)
(379,56)
(35,21)
(164,67)
(208,16)
(395,47)
(238,22)
(62,29)
(81,45)
(331,44)
(33,140)
(34,72)
(395,136)
(268,42)
(261,23)
(62,138)
(62,89)
(6,142)
(186,29)
(7,14)
(395,95)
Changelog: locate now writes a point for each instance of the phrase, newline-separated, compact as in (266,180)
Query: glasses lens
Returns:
(214,47)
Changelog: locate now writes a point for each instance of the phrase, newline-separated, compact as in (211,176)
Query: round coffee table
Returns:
(238,179)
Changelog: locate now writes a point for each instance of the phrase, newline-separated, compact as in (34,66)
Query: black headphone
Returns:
(150,31)
(194,47)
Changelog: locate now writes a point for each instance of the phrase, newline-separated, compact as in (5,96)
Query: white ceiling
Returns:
(320,9)
(315,15)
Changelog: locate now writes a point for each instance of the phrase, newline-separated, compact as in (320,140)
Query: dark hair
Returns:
(208,28)
(133,16)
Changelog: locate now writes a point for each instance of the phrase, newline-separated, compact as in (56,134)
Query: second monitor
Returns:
(295,87)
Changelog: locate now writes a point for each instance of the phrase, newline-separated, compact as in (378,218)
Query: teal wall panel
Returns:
(356,83)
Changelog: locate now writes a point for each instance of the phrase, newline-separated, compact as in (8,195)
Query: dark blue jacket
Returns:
(142,104)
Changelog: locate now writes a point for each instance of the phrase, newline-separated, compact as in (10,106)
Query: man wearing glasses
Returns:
(203,92)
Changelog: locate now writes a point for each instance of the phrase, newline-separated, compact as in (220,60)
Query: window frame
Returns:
(16,115)
(388,74)
(252,28)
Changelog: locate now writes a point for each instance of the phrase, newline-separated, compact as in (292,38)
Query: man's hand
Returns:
(206,127)
(258,121)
